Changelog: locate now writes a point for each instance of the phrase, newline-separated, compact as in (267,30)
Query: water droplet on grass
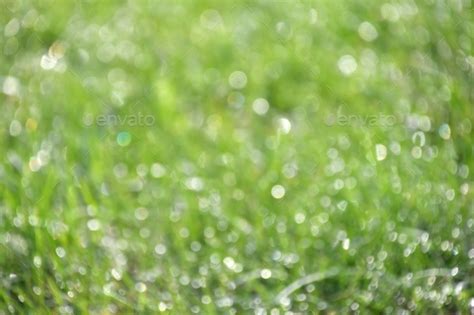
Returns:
(116,274)
(390,12)
(450,194)
(162,307)
(157,170)
(11,86)
(140,287)
(124,138)
(37,261)
(15,128)
(300,218)
(338,184)
(12,28)
(367,31)
(418,138)
(416,152)
(347,65)
(238,80)
(380,152)
(48,62)
(229,262)
(265,273)
(34,164)
(346,243)
(284,125)
(61,252)
(260,106)
(444,131)
(141,213)
(160,249)
(278,191)
(195,184)
(93,225)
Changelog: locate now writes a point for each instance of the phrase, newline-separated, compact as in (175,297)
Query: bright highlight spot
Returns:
(260,106)
(347,65)
(367,32)
(445,132)
(265,273)
(380,152)
(238,80)
(124,138)
(278,191)
(15,128)
(284,125)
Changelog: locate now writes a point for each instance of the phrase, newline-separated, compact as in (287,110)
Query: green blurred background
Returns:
(221,157)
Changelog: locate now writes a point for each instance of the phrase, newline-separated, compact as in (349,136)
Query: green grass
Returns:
(139,175)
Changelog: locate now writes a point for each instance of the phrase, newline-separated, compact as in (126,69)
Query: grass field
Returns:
(227,157)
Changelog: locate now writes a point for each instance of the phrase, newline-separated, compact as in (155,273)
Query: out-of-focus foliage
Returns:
(229,157)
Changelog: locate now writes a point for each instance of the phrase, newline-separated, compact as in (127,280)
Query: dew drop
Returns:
(15,128)
(61,252)
(141,214)
(367,31)
(140,287)
(390,12)
(34,164)
(124,138)
(278,191)
(12,28)
(93,225)
(347,65)
(37,261)
(48,62)
(265,273)
(160,249)
(238,80)
(418,138)
(346,243)
(444,131)
(11,86)
(450,194)
(380,152)
(416,152)
(195,184)
(300,218)
(260,106)
(157,170)
(284,125)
